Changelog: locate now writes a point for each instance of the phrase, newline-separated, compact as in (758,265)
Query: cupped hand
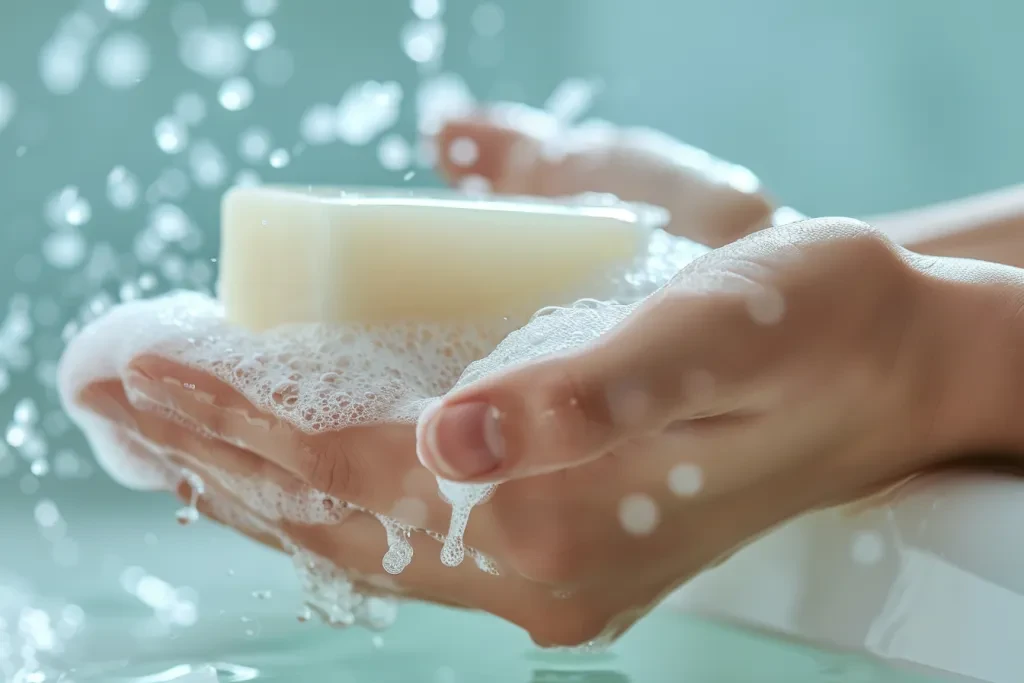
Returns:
(787,371)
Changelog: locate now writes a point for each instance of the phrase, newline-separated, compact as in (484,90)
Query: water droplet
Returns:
(122,188)
(209,167)
(189,108)
(40,468)
(304,615)
(46,513)
(463,152)
(247,178)
(366,110)
(394,153)
(427,9)
(377,641)
(122,61)
(440,99)
(186,515)
(236,94)
(171,135)
(686,480)
(64,250)
(638,514)
(62,64)
(216,52)
(126,9)
(475,186)
(409,176)
(259,35)
(170,223)
(8,103)
(423,41)
(254,145)
(260,8)
(488,19)
(317,125)
(262,595)
(280,158)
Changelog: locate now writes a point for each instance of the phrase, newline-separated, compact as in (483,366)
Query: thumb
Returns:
(676,357)
(523,151)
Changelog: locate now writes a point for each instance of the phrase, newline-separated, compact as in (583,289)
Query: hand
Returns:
(770,378)
(523,151)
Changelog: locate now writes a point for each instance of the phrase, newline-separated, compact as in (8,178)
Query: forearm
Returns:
(988,227)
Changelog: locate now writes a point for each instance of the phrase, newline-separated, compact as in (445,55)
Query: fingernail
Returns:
(461,441)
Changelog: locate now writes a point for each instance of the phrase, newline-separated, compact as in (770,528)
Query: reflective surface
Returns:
(138,575)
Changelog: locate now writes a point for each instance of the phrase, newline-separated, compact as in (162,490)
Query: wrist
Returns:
(975,313)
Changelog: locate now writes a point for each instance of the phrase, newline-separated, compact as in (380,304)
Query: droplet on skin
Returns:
(638,514)
(686,480)
(766,306)
(463,152)
(867,548)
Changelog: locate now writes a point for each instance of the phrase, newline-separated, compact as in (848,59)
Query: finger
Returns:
(682,355)
(373,466)
(525,151)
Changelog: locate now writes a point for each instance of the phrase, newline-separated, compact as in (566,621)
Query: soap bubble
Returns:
(254,144)
(274,66)
(122,188)
(8,102)
(122,61)
(171,135)
(215,52)
(686,480)
(236,94)
(394,153)
(488,19)
(317,124)
(208,165)
(126,9)
(423,41)
(259,8)
(259,35)
(638,514)
(366,110)
(190,108)
(280,158)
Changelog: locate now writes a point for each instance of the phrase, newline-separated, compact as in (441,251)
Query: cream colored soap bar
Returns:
(293,255)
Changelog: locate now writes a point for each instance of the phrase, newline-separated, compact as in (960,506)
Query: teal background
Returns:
(843,108)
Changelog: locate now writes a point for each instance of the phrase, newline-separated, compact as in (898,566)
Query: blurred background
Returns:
(123,121)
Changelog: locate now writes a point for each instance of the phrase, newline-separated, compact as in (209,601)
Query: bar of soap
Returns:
(302,255)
